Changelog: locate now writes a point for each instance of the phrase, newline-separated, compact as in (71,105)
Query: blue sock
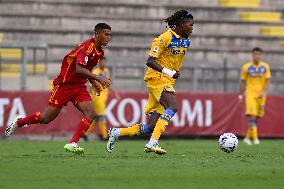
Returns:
(144,129)
(168,114)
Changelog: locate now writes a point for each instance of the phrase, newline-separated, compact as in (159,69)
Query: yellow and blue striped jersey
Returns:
(169,50)
(255,77)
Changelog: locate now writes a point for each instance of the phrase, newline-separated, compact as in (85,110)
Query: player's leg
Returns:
(151,109)
(248,135)
(86,107)
(260,113)
(83,102)
(251,112)
(137,129)
(142,128)
(101,121)
(168,101)
(85,124)
(99,103)
(252,125)
(100,106)
(49,114)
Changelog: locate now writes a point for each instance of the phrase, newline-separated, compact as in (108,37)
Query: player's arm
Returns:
(158,46)
(242,87)
(265,88)
(242,84)
(80,69)
(267,83)
(151,62)
(242,90)
(115,93)
(81,63)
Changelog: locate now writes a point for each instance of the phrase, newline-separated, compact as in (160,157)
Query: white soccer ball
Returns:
(228,142)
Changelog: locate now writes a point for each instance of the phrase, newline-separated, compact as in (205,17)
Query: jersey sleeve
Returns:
(82,54)
(244,73)
(158,45)
(268,73)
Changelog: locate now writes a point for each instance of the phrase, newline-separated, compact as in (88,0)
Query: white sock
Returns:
(116,132)
(152,142)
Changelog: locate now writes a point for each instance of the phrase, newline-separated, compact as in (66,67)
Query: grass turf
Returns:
(188,164)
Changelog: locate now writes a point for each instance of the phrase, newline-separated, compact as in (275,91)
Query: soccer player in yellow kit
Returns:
(255,80)
(100,101)
(164,63)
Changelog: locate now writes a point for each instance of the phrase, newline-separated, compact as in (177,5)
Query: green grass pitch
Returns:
(188,164)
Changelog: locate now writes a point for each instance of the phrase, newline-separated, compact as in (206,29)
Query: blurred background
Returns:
(36,34)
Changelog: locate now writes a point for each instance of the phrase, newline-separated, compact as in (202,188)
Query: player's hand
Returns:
(105,82)
(97,88)
(176,75)
(241,98)
(262,94)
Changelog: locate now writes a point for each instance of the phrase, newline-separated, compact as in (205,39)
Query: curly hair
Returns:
(174,19)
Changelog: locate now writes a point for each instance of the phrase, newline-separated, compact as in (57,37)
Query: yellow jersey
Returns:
(169,50)
(255,77)
(102,74)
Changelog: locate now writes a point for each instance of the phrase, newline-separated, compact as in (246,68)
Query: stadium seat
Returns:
(10,53)
(282,44)
(275,31)
(11,69)
(1,37)
(240,3)
(260,16)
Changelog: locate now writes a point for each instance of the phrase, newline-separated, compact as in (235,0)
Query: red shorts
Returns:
(63,93)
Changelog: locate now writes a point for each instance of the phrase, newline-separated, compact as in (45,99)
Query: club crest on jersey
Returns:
(86,59)
(156,49)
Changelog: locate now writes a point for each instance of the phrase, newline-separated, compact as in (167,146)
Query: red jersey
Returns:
(85,54)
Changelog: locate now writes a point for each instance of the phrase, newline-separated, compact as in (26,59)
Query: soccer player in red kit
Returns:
(70,85)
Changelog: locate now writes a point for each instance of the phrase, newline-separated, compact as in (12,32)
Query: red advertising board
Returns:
(199,114)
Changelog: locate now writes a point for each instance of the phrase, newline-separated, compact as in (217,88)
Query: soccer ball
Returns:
(228,142)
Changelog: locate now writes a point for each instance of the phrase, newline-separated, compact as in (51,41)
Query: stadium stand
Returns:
(223,29)
(8,70)
(276,31)
(240,3)
(11,69)
(260,16)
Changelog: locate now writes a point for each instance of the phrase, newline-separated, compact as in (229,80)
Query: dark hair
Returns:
(258,49)
(174,19)
(103,58)
(101,26)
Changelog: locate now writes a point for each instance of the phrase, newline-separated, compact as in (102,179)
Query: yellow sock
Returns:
(103,129)
(248,133)
(130,131)
(254,132)
(159,128)
(91,127)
